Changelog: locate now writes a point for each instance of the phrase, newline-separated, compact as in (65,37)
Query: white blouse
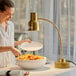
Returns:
(7,39)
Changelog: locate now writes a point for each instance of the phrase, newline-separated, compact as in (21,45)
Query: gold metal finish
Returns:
(33,23)
(34,26)
(62,63)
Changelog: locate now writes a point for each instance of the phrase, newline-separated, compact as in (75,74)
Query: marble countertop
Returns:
(46,70)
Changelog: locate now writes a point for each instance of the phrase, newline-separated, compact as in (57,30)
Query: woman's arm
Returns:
(15,51)
(20,42)
(5,48)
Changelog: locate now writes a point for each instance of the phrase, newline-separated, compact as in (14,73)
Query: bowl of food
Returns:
(30,61)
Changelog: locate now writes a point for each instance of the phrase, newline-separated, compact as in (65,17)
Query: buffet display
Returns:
(30,61)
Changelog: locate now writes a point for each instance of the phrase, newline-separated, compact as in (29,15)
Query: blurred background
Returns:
(61,12)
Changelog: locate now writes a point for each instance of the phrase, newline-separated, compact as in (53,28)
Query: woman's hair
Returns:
(7,3)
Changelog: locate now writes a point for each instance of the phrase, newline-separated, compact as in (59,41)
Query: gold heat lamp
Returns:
(33,23)
(34,26)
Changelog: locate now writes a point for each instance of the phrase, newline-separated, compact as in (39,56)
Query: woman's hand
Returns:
(15,51)
(27,40)
(26,74)
(22,41)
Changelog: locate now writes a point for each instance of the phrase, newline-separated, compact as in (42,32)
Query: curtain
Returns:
(64,12)
(74,52)
(67,28)
(61,12)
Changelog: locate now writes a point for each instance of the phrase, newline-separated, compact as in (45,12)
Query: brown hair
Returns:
(7,3)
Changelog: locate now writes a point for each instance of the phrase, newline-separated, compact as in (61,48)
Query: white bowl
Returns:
(31,64)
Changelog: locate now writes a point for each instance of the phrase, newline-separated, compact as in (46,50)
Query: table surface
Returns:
(46,70)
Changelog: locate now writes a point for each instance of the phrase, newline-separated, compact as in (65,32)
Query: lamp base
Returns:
(62,63)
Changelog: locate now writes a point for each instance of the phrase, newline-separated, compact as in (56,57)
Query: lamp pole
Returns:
(34,26)
(60,39)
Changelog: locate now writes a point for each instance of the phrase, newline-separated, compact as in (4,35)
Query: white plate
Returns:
(33,46)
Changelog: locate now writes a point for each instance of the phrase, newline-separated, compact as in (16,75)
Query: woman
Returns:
(7,50)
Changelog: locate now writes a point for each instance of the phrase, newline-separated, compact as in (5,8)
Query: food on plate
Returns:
(30,57)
